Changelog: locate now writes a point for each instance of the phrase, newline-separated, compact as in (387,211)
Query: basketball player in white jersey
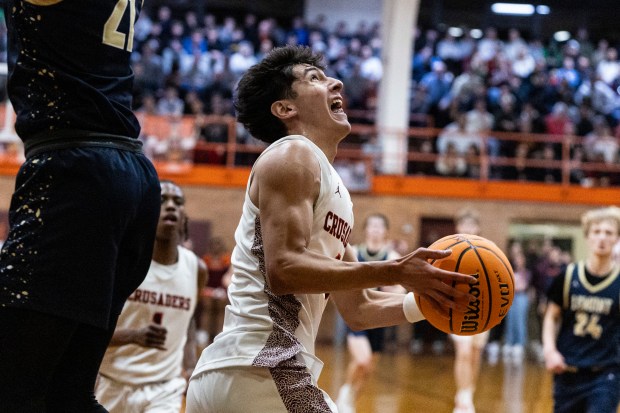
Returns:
(292,252)
(144,368)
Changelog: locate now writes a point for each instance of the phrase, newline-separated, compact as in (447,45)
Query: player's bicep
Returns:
(287,192)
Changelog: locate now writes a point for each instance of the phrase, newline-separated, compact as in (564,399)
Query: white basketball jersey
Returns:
(168,293)
(261,328)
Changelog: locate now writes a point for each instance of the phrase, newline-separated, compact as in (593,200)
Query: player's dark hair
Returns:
(266,82)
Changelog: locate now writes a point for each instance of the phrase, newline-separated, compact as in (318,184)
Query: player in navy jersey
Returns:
(581,328)
(86,202)
(365,346)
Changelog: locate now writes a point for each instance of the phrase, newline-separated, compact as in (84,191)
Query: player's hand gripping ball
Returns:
(494,289)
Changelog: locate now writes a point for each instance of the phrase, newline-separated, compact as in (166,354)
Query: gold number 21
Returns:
(111,35)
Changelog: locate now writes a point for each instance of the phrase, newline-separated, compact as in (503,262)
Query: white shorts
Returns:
(477,340)
(163,397)
(255,389)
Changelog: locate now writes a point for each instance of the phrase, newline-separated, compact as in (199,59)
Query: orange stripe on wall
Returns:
(496,190)
(208,175)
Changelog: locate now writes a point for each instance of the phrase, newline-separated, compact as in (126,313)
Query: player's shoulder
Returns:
(287,158)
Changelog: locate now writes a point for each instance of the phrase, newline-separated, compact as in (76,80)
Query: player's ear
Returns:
(283,109)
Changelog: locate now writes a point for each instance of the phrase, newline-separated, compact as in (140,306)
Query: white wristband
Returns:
(411,310)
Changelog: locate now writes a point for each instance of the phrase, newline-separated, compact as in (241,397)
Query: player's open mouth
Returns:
(170,218)
(336,106)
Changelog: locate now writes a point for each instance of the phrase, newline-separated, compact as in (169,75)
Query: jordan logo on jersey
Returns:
(338,191)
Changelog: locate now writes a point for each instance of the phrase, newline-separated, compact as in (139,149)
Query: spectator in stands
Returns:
(459,135)
(424,167)
(523,64)
(584,124)
(551,172)
(558,122)
(608,69)
(370,65)
(437,83)
(489,45)
(530,120)
(567,73)
(506,119)
(514,45)
(450,51)
(520,171)
(151,74)
(243,59)
(450,162)
(600,144)
(170,104)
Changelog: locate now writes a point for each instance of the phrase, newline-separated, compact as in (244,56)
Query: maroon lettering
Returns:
(328,220)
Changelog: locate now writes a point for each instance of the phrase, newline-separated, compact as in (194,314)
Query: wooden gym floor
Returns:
(425,384)
(403,383)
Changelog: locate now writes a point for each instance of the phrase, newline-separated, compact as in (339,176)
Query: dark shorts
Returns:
(376,337)
(82,227)
(587,392)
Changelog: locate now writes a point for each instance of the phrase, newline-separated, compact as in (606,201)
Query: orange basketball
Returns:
(494,290)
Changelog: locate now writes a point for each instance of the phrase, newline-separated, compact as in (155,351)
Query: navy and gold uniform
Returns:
(70,73)
(376,336)
(589,338)
(84,212)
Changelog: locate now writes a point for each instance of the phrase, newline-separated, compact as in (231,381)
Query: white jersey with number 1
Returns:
(168,295)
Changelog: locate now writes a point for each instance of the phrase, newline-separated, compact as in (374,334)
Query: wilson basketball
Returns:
(494,290)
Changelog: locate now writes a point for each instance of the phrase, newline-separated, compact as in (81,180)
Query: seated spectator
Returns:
(438,83)
(567,73)
(549,173)
(523,63)
(451,51)
(577,174)
(243,59)
(170,104)
(459,136)
(584,123)
(608,69)
(601,144)
(520,171)
(213,127)
(514,45)
(451,162)
(370,65)
(422,167)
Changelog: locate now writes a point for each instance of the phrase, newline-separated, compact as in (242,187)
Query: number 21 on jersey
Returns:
(111,34)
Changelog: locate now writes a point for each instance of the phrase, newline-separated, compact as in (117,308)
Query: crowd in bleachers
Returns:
(470,84)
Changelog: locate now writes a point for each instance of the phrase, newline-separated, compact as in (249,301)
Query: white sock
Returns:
(464,396)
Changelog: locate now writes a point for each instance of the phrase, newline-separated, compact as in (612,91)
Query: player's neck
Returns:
(165,252)
(600,265)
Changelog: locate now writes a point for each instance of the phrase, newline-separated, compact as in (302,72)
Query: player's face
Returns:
(319,101)
(172,213)
(468,226)
(602,236)
(375,229)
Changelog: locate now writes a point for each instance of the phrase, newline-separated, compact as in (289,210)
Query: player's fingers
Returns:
(428,254)
(455,276)
(441,303)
